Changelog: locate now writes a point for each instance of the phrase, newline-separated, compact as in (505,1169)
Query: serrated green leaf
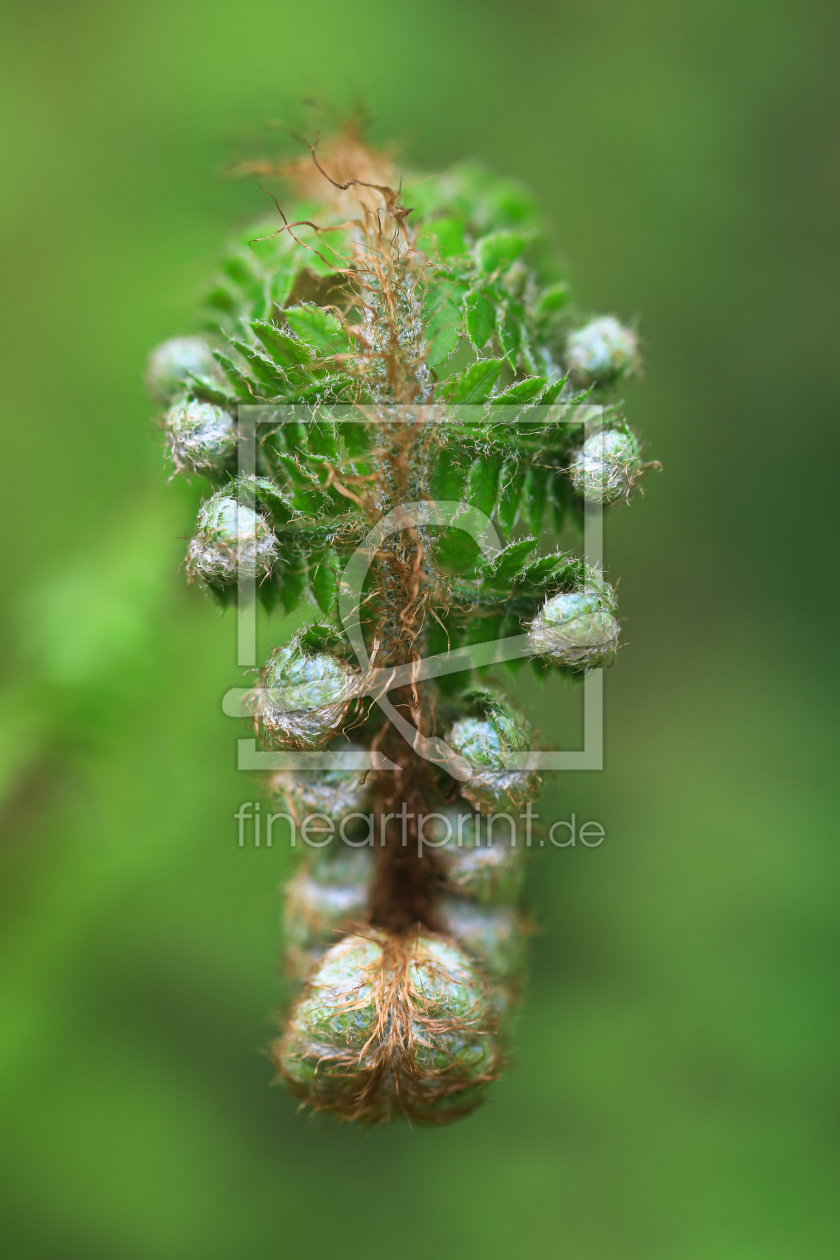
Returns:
(209,391)
(475,383)
(323,439)
(319,329)
(510,561)
(522,392)
(324,580)
(302,491)
(553,390)
(483,481)
(539,570)
(448,477)
(262,368)
(498,249)
(481,317)
(287,351)
(536,486)
(443,315)
(511,482)
(510,332)
(443,237)
(552,299)
(242,384)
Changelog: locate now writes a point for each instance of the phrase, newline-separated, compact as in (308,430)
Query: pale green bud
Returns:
(231,540)
(602,352)
(495,937)
(304,698)
(174,363)
(201,438)
(486,740)
(492,935)
(324,898)
(607,466)
(392,1027)
(334,792)
(475,859)
(577,630)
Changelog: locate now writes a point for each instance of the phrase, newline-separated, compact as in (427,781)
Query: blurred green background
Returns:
(675,1089)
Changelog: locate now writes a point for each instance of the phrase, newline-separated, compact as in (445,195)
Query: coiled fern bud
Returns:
(475,863)
(607,466)
(335,793)
(486,737)
(329,893)
(201,438)
(603,352)
(231,541)
(178,365)
(577,629)
(305,694)
(425,308)
(392,1027)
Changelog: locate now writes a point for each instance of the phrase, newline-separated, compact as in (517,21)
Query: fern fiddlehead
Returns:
(443,385)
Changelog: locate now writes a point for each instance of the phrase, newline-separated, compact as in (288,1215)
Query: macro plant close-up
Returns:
(416,767)
(408,383)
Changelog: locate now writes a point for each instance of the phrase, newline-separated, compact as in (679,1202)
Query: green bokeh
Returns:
(675,1089)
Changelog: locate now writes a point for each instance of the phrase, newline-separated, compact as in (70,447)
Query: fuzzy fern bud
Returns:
(175,364)
(330,892)
(422,292)
(201,438)
(304,696)
(230,540)
(486,739)
(607,466)
(335,793)
(475,863)
(495,936)
(603,352)
(577,629)
(392,1027)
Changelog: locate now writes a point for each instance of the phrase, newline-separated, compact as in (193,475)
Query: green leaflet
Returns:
(509,328)
(522,392)
(498,249)
(286,351)
(323,439)
(475,384)
(209,391)
(243,387)
(482,483)
(443,315)
(511,561)
(448,474)
(263,369)
(511,481)
(324,576)
(319,329)
(552,299)
(480,314)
